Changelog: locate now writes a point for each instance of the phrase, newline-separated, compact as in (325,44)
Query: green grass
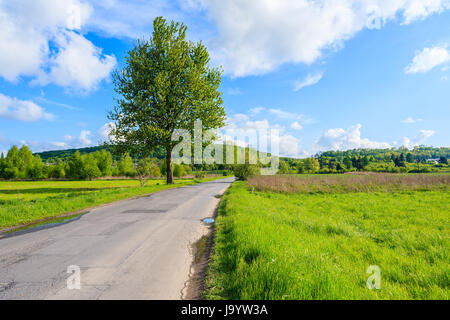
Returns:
(30,201)
(272,245)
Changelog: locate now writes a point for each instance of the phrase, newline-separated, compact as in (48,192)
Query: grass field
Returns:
(315,244)
(29,201)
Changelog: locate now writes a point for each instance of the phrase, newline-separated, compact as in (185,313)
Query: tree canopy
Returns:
(166,84)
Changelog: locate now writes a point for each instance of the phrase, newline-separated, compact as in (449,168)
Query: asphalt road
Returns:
(132,249)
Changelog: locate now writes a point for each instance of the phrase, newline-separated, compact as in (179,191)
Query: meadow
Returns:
(23,202)
(316,238)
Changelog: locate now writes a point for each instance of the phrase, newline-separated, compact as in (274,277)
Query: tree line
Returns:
(402,160)
(21,163)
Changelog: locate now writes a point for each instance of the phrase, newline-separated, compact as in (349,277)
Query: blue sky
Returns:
(328,75)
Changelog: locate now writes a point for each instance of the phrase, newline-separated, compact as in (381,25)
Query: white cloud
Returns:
(60,145)
(247,37)
(22,110)
(411,120)
(340,139)
(295,125)
(256,36)
(105,131)
(79,64)
(428,59)
(256,110)
(41,35)
(241,130)
(83,140)
(417,140)
(84,137)
(281,114)
(308,81)
(288,145)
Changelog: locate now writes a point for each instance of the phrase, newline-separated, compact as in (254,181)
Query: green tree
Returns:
(243,171)
(104,162)
(126,166)
(284,167)
(166,84)
(57,171)
(145,168)
(3,165)
(36,168)
(178,170)
(75,166)
(409,157)
(13,158)
(26,160)
(443,160)
(90,168)
(348,163)
(311,165)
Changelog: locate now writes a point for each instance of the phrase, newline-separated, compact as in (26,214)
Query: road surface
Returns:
(131,249)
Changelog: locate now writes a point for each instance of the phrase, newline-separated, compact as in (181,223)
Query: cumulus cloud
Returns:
(242,130)
(428,59)
(411,120)
(79,64)
(256,36)
(418,139)
(105,131)
(40,39)
(247,37)
(22,110)
(295,125)
(84,138)
(340,139)
(80,141)
(311,79)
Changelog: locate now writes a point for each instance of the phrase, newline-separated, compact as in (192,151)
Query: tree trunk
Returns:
(169,171)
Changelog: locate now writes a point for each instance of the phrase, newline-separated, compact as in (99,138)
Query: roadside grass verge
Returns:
(26,202)
(274,245)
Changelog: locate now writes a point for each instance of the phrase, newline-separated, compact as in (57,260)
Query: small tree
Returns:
(243,171)
(166,84)
(104,162)
(90,169)
(125,166)
(179,171)
(75,166)
(443,160)
(144,170)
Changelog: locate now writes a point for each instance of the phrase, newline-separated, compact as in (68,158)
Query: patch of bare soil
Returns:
(201,250)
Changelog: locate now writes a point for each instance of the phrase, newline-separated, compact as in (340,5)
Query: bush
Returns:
(178,171)
(200,175)
(243,171)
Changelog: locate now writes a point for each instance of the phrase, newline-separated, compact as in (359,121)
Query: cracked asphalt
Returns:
(131,249)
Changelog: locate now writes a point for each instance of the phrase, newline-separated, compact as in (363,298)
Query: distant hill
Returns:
(48,156)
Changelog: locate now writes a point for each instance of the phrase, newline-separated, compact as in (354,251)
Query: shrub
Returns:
(243,171)
(178,171)
(200,175)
